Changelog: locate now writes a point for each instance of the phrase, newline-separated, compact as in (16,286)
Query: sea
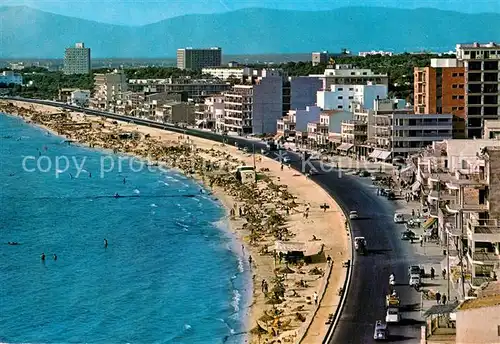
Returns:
(171,271)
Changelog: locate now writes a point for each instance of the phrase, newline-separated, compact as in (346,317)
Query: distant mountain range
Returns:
(26,32)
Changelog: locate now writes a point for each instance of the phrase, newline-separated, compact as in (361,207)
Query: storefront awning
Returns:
(384,155)
(345,146)
(415,186)
(374,154)
(429,222)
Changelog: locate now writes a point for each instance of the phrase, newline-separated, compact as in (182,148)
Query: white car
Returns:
(399,218)
(414,280)
(392,315)
(353,215)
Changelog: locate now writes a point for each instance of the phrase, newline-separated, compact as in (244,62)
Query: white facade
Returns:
(345,74)
(8,77)
(225,73)
(340,97)
(109,89)
(373,52)
(80,98)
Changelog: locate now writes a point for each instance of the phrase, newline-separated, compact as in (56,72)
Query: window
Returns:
(460,74)
(467,52)
(351,97)
(461,86)
(454,86)
(454,97)
(351,89)
(340,89)
(460,107)
(454,75)
(460,97)
(454,108)
(340,107)
(364,73)
(339,97)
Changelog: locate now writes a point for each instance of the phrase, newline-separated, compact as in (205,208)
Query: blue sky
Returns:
(139,12)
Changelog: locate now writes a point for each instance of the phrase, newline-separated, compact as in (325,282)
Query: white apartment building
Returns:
(345,74)
(80,98)
(374,52)
(340,97)
(210,114)
(8,77)
(226,73)
(194,89)
(255,109)
(109,89)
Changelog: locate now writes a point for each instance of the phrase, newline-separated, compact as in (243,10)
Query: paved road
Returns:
(387,253)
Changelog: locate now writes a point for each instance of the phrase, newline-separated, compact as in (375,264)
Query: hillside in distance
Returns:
(26,32)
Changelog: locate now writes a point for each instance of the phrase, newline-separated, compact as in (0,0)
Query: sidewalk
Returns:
(431,255)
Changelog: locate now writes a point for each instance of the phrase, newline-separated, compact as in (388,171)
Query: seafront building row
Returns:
(344,110)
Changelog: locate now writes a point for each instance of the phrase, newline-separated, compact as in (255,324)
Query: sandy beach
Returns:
(283,209)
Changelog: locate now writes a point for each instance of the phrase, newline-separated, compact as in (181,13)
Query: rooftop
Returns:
(488,301)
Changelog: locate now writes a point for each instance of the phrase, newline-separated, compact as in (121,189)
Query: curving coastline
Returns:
(274,209)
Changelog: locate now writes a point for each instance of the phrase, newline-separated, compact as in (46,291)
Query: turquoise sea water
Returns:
(170,274)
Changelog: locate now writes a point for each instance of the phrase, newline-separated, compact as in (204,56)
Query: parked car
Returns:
(353,215)
(392,315)
(381,331)
(416,270)
(399,218)
(364,173)
(414,280)
(407,235)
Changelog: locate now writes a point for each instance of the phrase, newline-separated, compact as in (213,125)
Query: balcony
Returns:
(467,208)
(441,195)
(484,230)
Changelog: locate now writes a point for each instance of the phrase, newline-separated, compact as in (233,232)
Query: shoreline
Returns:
(305,195)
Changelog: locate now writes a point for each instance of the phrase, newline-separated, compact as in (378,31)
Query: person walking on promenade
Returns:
(315,298)
(444,273)
(443,298)
(438,297)
(433,272)
(329,260)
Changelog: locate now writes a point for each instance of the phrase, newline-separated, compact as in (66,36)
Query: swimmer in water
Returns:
(42,257)
(71,176)
(116,195)
(124,180)
(105,243)
(54,256)
(90,175)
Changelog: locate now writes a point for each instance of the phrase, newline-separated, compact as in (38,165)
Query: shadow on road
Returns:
(407,321)
(431,285)
(379,251)
(410,307)
(399,338)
